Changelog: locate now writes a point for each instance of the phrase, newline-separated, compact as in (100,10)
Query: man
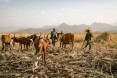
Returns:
(53,36)
(88,37)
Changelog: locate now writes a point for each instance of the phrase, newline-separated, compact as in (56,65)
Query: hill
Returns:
(96,27)
(62,27)
(101,27)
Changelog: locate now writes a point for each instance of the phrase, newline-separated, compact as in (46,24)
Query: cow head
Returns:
(14,39)
(59,35)
(32,37)
(47,38)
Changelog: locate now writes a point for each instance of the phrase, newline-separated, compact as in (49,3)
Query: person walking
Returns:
(88,37)
(53,36)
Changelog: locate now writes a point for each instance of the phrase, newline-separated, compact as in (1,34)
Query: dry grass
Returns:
(100,62)
(104,36)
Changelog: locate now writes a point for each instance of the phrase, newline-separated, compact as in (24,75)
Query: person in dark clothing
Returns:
(53,36)
(88,37)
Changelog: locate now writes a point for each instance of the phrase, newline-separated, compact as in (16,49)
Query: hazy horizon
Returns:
(39,13)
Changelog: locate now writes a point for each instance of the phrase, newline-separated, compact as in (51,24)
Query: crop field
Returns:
(100,62)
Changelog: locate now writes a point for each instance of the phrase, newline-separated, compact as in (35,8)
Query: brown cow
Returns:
(22,41)
(41,45)
(5,39)
(64,39)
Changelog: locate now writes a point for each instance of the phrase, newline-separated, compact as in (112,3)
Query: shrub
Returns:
(104,36)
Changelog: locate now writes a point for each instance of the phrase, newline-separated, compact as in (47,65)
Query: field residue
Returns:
(100,62)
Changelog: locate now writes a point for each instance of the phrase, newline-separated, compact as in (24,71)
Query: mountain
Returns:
(35,30)
(71,28)
(101,27)
(8,29)
(96,27)
(115,24)
(113,29)
(62,27)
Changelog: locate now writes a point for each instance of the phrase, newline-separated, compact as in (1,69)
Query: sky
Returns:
(38,13)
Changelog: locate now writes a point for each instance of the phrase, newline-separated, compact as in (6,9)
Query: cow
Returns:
(5,39)
(67,38)
(22,41)
(41,44)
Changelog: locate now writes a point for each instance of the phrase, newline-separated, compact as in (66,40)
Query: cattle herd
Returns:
(40,43)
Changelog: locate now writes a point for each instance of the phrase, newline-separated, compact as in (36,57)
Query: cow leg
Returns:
(27,47)
(21,46)
(40,53)
(13,44)
(36,61)
(5,47)
(2,46)
(72,45)
(45,48)
(44,58)
(36,51)
(60,44)
(24,46)
(39,57)
(9,46)
(64,45)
